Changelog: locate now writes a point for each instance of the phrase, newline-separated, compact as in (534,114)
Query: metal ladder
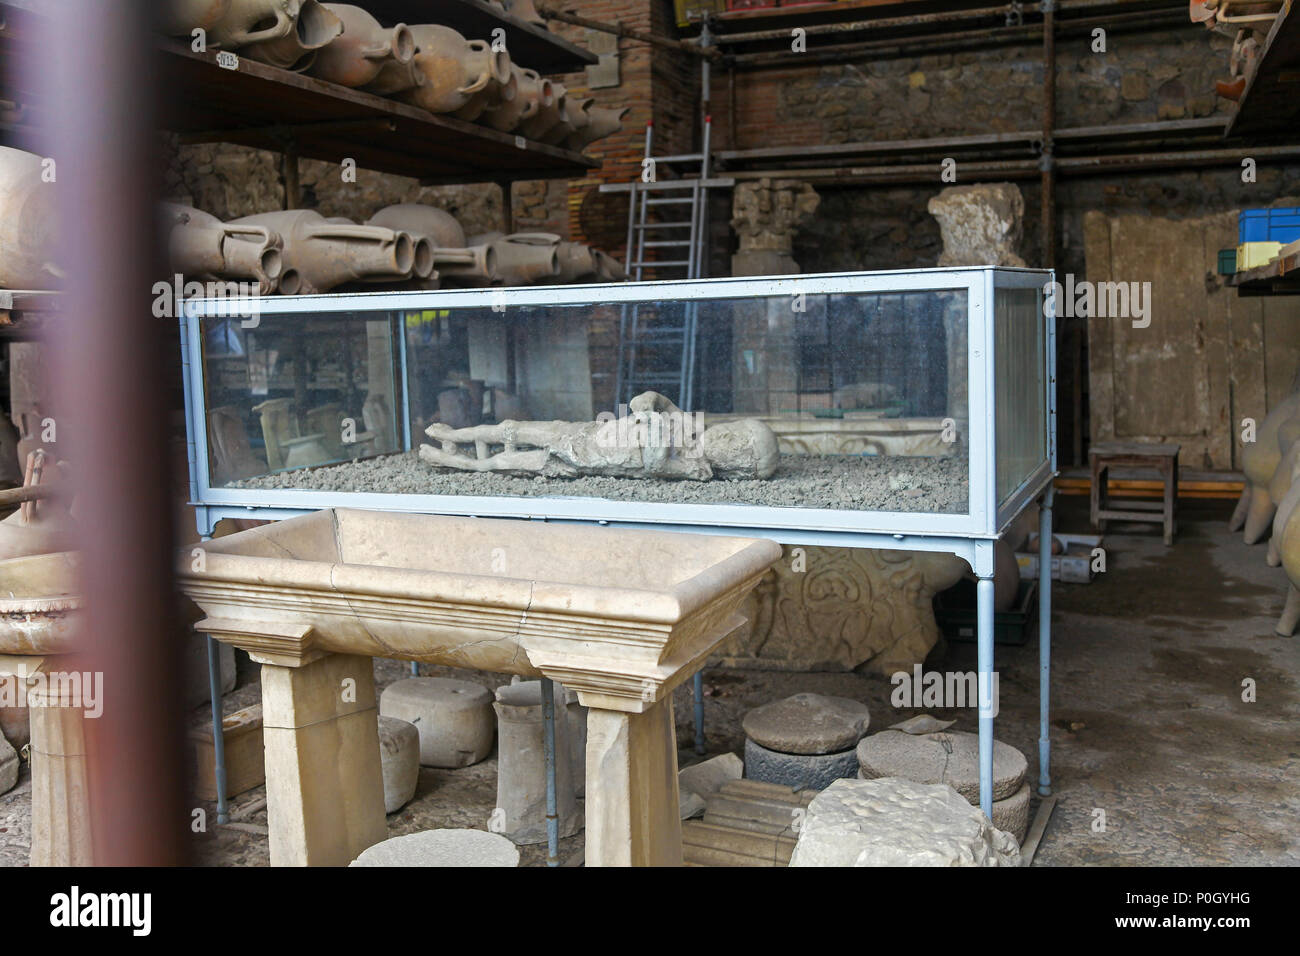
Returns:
(657,351)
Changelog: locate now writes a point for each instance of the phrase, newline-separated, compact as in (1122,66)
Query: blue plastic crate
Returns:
(1269,225)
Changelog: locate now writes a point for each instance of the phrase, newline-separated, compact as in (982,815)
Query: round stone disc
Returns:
(807,724)
(950,757)
(441,848)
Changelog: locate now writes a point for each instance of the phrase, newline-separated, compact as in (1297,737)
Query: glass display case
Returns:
(912,403)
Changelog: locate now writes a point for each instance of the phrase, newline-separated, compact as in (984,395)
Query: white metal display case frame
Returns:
(969,536)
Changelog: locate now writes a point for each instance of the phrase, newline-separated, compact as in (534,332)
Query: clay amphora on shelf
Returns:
(547,116)
(28,223)
(471,266)
(493,96)
(575,120)
(525,10)
(576,262)
(320,255)
(181,17)
(609,269)
(356,57)
(601,122)
(532,92)
(1279,486)
(455,69)
(438,225)
(523,258)
(201,245)
(311,27)
(395,77)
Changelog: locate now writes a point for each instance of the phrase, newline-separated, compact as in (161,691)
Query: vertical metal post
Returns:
(548,750)
(984,617)
(697,694)
(415,668)
(218,730)
(292,189)
(1045,642)
(507,207)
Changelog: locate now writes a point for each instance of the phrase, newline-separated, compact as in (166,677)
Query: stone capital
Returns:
(766,213)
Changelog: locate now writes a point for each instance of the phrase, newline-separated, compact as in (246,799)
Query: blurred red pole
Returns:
(107,353)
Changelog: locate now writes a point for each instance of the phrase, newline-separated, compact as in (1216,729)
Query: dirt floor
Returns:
(1150,733)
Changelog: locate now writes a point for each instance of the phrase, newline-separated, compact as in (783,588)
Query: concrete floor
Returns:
(1148,722)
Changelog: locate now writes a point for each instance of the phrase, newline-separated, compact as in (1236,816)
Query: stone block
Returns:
(950,757)
(895,822)
(1012,814)
(798,771)
(244,749)
(808,724)
(708,776)
(454,718)
(441,848)
(981,224)
(399,760)
(9,766)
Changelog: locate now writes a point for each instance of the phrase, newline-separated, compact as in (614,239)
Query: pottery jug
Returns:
(574,120)
(532,92)
(1259,461)
(609,269)
(231,456)
(311,28)
(525,10)
(577,262)
(201,245)
(395,77)
(601,122)
(455,69)
(356,57)
(547,115)
(278,426)
(320,255)
(28,223)
(182,17)
(493,96)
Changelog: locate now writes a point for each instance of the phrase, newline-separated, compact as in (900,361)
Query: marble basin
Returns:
(620,617)
(38,598)
(509,596)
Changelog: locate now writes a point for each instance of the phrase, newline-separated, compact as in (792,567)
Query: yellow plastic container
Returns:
(1252,254)
(692,11)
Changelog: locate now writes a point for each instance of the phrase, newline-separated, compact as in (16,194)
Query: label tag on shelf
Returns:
(521,143)
(227,60)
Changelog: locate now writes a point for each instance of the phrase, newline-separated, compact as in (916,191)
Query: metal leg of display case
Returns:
(1045,642)
(415,668)
(218,733)
(697,694)
(548,751)
(984,616)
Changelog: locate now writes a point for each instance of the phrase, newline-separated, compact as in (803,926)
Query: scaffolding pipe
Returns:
(947,42)
(1048,211)
(920,19)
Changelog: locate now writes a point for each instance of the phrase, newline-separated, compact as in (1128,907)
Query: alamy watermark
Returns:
(1114,300)
(670,429)
(935,689)
(83,690)
(229,298)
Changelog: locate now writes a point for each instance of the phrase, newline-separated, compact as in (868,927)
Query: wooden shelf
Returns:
(529,45)
(1270,102)
(268,108)
(1279,277)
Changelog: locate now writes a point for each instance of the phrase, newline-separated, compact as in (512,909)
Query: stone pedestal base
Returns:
(61,832)
(324,785)
(632,812)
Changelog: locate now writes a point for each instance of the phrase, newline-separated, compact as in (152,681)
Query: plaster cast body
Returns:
(652,442)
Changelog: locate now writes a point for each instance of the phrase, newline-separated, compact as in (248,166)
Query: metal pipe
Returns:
(218,729)
(548,750)
(110,400)
(1047,234)
(697,695)
(948,42)
(1045,642)
(984,638)
(921,19)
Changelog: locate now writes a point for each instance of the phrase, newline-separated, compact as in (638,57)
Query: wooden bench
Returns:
(1162,458)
